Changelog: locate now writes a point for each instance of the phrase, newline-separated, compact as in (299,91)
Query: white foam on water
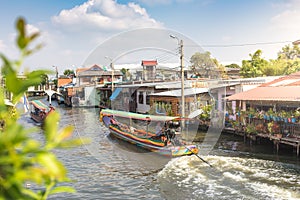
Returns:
(232,177)
(235,176)
(273,191)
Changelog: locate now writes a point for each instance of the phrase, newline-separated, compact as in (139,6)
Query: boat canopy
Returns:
(40,105)
(131,115)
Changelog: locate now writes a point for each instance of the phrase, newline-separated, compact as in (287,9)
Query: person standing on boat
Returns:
(158,129)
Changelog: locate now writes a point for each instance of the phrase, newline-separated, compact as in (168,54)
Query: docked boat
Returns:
(153,133)
(39,111)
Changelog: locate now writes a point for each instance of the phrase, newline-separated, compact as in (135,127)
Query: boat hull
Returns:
(39,111)
(37,118)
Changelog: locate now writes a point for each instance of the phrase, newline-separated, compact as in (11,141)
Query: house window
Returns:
(141,97)
(148,98)
(100,80)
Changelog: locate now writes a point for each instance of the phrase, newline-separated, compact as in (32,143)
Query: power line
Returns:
(241,45)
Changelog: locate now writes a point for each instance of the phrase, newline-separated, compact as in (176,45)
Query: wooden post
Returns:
(276,143)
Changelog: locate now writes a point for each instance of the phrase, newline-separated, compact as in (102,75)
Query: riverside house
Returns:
(271,111)
(93,85)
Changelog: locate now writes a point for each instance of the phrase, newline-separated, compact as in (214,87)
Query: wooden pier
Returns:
(277,140)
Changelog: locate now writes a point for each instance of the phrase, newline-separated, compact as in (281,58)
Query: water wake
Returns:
(231,178)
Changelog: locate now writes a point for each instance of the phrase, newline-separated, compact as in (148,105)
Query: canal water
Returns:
(110,169)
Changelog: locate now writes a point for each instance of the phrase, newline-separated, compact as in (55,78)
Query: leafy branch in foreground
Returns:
(22,158)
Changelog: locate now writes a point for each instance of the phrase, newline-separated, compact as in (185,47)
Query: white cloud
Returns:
(104,15)
(31,29)
(155,2)
(168,2)
(286,23)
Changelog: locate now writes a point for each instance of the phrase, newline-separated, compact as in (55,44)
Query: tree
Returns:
(233,65)
(253,67)
(289,53)
(24,159)
(292,66)
(126,74)
(69,72)
(289,57)
(274,68)
(203,65)
(45,80)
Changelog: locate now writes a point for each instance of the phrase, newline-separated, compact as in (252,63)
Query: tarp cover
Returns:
(115,93)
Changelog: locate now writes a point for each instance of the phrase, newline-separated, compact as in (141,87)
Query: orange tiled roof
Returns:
(63,81)
(81,69)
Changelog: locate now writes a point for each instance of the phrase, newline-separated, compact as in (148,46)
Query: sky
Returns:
(71,31)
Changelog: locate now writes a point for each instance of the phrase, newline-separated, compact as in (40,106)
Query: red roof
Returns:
(81,70)
(292,79)
(280,93)
(149,62)
(95,66)
(63,81)
(285,88)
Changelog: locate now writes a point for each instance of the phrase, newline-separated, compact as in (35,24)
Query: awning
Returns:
(115,93)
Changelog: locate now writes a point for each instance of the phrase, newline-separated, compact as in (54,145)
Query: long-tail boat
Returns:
(135,129)
(39,111)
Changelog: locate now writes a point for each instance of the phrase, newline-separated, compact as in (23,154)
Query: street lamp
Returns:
(112,72)
(56,71)
(180,43)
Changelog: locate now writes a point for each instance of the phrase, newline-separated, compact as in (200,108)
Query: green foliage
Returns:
(69,72)
(233,65)
(289,53)
(275,68)
(205,115)
(204,66)
(250,129)
(22,158)
(126,74)
(253,67)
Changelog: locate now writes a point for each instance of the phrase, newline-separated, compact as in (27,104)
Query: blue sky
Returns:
(71,30)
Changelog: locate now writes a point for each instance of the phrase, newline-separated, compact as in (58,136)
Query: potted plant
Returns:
(251,113)
(274,129)
(283,115)
(250,129)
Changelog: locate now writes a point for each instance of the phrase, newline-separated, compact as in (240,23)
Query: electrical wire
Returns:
(241,45)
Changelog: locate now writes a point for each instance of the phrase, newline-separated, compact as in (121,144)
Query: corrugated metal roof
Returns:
(177,93)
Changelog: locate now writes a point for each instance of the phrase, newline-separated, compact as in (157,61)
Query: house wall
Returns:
(92,98)
(191,104)
(143,100)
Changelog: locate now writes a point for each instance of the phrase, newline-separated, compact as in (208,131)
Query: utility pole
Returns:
(112,72)
(182,79)
(180,43)
(112,76)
